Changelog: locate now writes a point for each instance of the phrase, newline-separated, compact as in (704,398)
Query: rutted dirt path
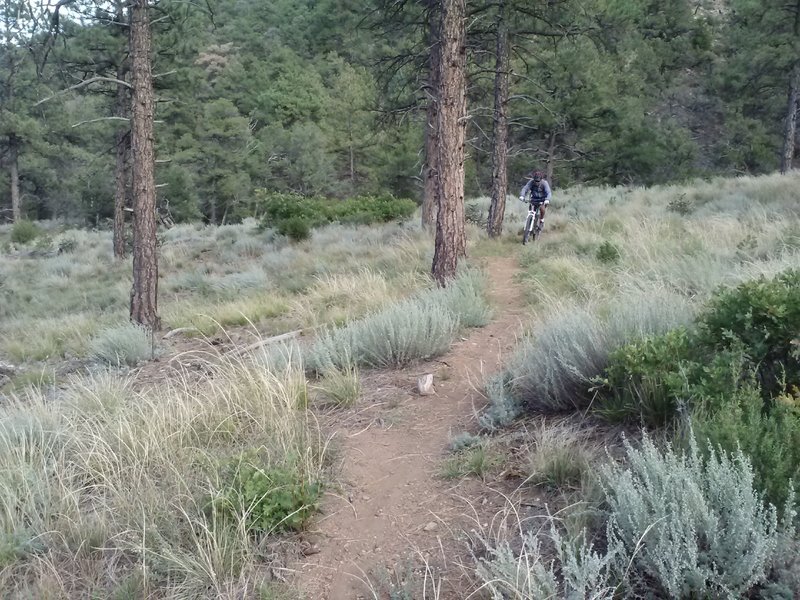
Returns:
(393,507)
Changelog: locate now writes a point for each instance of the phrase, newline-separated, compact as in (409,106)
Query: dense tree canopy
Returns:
(316,98)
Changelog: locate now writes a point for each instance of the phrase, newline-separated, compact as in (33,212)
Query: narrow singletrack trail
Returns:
(393,507)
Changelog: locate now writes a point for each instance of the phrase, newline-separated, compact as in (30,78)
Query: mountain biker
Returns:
(540,193)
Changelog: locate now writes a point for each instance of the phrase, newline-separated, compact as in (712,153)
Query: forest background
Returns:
(328,98)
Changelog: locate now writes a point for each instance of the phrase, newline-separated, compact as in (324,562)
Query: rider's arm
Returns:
(547,193)
(524,193)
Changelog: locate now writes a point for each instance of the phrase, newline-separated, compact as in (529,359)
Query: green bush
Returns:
(607,252)
(473,213)
(295,228)
(67,245)
(271,498)
(651,378)
(763,317)
(279,208)
(753,328)
(770,439)
(24,232)
(681,205)
(645,379)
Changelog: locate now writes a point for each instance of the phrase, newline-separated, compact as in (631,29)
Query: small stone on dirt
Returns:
(425,385)
(310,549)
(430,526)
(7,369)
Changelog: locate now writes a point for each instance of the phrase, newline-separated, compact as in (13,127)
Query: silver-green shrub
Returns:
(552,370)
(466,298)
(402,333)
(572,570)
(502,407)
(693,526)
(280,358)
(418,328)
(126,344)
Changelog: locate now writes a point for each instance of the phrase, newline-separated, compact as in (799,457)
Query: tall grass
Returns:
(559,455)
(211,277)
(114,476)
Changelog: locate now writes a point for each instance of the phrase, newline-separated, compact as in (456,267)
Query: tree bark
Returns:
(121,172)
(497,208)
(122,141)
(430,201)
(351,152)
(451,244)
(121,185)
(551,157)
(13,168)
(144,293)
(790,121)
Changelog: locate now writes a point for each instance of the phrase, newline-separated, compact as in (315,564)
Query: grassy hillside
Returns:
(62,290)
(672,310)
(117,482)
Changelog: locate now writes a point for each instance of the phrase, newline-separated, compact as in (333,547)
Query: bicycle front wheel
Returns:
(527,232)
(537,226)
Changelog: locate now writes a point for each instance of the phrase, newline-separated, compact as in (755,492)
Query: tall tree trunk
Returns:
(430,202)
(497,208)
(212,206)
(790,120)
(122,141)
(121,181)
(144,294)
(351,152)
(13,168)
(451,243)
(551,157)
(121,169)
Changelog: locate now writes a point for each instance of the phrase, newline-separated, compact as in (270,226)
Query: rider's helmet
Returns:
(537,176)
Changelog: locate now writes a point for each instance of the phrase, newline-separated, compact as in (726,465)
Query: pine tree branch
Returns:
(99,119)
(83,84)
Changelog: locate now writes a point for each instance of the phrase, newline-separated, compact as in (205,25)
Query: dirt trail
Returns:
(394,507)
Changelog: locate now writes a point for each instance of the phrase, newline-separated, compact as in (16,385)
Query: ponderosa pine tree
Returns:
(144,293)
(122,137)
(451,90)
(497,207)
(430,199)
(15,19)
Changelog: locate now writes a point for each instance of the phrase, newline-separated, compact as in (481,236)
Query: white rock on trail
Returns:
(425,385)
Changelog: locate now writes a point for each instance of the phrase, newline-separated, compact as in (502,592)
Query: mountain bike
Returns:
(532,222)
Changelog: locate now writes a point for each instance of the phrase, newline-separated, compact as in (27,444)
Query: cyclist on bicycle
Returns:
(540,193)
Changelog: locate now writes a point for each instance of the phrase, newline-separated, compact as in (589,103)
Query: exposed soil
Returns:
(393,508)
